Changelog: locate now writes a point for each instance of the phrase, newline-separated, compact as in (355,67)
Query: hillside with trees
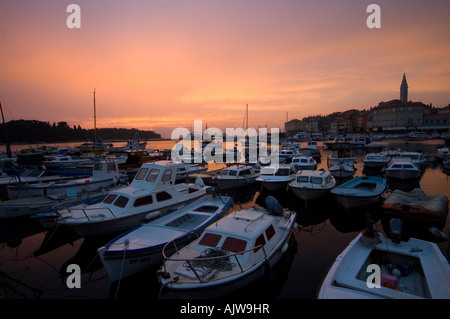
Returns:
(32,131)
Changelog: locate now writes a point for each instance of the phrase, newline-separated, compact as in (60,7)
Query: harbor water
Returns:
(34,261)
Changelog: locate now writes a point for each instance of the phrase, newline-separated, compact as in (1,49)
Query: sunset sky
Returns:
(161,64)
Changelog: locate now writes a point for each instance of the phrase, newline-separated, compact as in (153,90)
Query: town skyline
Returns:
(162,65)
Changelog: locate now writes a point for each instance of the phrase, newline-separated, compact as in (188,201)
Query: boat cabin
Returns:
(316,178)
(304,161)
(280,170)
(156,174)
(245,233)
(237,171)
(402,164)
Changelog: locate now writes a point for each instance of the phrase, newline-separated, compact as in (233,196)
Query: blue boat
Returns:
(360,191)
(141,247)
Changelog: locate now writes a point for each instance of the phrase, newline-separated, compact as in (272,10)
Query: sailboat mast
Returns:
(246,117)
(95,121)
(8,147)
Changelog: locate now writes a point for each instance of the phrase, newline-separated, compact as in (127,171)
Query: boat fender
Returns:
(153,215)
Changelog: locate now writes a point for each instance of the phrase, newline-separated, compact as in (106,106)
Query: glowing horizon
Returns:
(159,65)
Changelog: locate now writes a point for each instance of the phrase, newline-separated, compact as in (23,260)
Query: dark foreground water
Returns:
(33,261)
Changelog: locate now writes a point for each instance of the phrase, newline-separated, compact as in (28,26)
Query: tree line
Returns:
(33,131)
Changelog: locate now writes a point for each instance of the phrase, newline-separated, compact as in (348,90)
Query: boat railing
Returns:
(87,212)
(214,258)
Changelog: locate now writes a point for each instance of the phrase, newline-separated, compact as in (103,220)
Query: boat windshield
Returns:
(151,177)
(302,179)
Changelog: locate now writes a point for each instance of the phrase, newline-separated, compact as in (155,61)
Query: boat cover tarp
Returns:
(437,203)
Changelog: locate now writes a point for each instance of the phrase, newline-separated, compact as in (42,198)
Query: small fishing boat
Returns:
(105,173)
(43,205)
(235,176)
(184,170)
(341,161)
(360,191)
(312,184)
(376,160)
(229,255)
(59,161)
(276,177)
(375,267)
(152,193)
(417,205)
(140,248)
(416,157)
(402,168)
(304,163)
(341,167)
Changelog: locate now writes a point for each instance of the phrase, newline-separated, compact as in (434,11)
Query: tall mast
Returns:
(8,147)
(246,117)
(95,121)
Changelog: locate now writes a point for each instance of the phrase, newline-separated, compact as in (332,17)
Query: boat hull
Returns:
(120,264)
(309,193)
(402,174)
(226,288)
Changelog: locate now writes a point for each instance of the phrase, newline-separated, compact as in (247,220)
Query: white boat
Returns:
(35,206)
(235,176)
(380,268)
(416,157)
(341,161)
(131,144)
(341,167)
(105,173)
(276,177)
(360,191)
(59,161)
(141,247)
(229,255)
(185,169)
(402,168)
(304,163)
(29,176)
(312,184)
(153,192)
(376,160)
(443,152)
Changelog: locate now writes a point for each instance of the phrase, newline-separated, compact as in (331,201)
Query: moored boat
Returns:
(140,248)
(235,176)
(375,267)
(360,191)
(312,184)
(153,192)
(417,205)
(304,163)
(229,255)
(276,177)
(402,168)
(105,173)
(376,160)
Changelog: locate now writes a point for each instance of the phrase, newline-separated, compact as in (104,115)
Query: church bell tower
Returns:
(404,90)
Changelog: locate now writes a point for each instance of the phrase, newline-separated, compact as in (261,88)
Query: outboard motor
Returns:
(273,206)
(396,230)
